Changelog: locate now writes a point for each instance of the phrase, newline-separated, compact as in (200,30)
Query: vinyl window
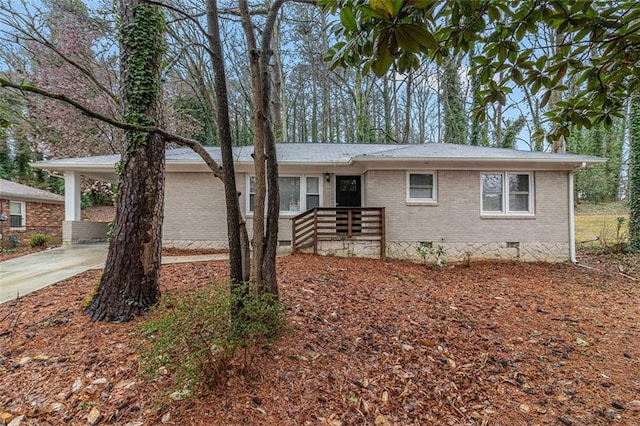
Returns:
(421,187)
(507,193)
(297,193)
(17,215)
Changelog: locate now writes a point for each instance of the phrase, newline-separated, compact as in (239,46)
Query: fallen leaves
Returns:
(370,342)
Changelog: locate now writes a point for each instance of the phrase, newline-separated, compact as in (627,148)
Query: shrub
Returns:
(38,240)
(615,241)
(194,338)
(438,254)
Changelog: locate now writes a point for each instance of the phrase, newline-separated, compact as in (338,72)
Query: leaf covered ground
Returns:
(369,342)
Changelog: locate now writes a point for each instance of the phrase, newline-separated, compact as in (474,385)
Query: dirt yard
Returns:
(369,342)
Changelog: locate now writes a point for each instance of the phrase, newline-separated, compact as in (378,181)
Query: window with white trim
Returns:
(289,194)
(507,193)
(297,193)
(17,215)
(313,192)
(421,187)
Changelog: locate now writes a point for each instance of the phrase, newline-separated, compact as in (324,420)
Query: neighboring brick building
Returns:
(25,211)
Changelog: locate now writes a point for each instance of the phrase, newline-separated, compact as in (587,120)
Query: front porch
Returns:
(344,231)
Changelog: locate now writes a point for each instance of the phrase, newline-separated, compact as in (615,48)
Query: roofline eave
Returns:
(577,161)
(73,166)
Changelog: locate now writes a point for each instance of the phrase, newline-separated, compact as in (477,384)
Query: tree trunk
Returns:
(396,119)
(279,120)
(326,102)
(314,112)
(234,218)
(407,111)
(129,284)
(556,96)
(258,144)
(360,109)
(455,120)
(265,159)
(634,174)
(386,100)
(270,283)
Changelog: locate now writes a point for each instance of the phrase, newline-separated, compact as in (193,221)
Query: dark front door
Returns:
(348,191)
(348,194)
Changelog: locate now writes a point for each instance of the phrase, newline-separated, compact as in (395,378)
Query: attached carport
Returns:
(101,168)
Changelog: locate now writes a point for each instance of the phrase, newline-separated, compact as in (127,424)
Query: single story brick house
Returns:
(25,211)
(374,199)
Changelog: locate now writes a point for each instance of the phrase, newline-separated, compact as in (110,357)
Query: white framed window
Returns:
(290,195)
(507,193)
(297,193)
(422,187)
(17,215)
(312,192)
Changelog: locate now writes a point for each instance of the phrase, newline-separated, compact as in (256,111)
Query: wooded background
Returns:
(67,46)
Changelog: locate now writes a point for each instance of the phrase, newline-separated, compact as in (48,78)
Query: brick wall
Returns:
(195,211)
(43,218)
(195,214)
(456,218)
(75,232)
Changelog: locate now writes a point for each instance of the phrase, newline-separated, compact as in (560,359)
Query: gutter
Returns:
(572,222)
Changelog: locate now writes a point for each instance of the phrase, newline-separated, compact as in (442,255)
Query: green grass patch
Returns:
(602,225)
(616,208)
(602,230)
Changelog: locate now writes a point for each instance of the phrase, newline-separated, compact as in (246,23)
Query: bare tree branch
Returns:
(28,31)
(169,137)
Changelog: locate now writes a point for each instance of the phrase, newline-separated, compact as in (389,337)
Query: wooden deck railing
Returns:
(331,223)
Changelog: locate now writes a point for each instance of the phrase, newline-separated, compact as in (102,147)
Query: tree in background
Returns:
(511,130)
(455,118)
(599,183)
(60,51)
(595,45)
(478,130)
(6,162)
(634,175)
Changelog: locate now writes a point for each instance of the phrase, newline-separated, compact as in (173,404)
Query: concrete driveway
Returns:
(25,274)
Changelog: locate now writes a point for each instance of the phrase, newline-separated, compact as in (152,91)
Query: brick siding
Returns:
(195,213)
(41,218)
(456,218)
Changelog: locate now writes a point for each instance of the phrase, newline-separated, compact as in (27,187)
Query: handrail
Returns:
(327,223)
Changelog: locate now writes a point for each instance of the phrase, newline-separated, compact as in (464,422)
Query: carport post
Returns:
(71,196)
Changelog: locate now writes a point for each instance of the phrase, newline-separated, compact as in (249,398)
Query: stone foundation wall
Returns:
(349,248)
(455,252)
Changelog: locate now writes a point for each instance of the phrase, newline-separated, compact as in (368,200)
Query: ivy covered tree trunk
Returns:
(634,175)
(455,120)
(129,284)
(478,128)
